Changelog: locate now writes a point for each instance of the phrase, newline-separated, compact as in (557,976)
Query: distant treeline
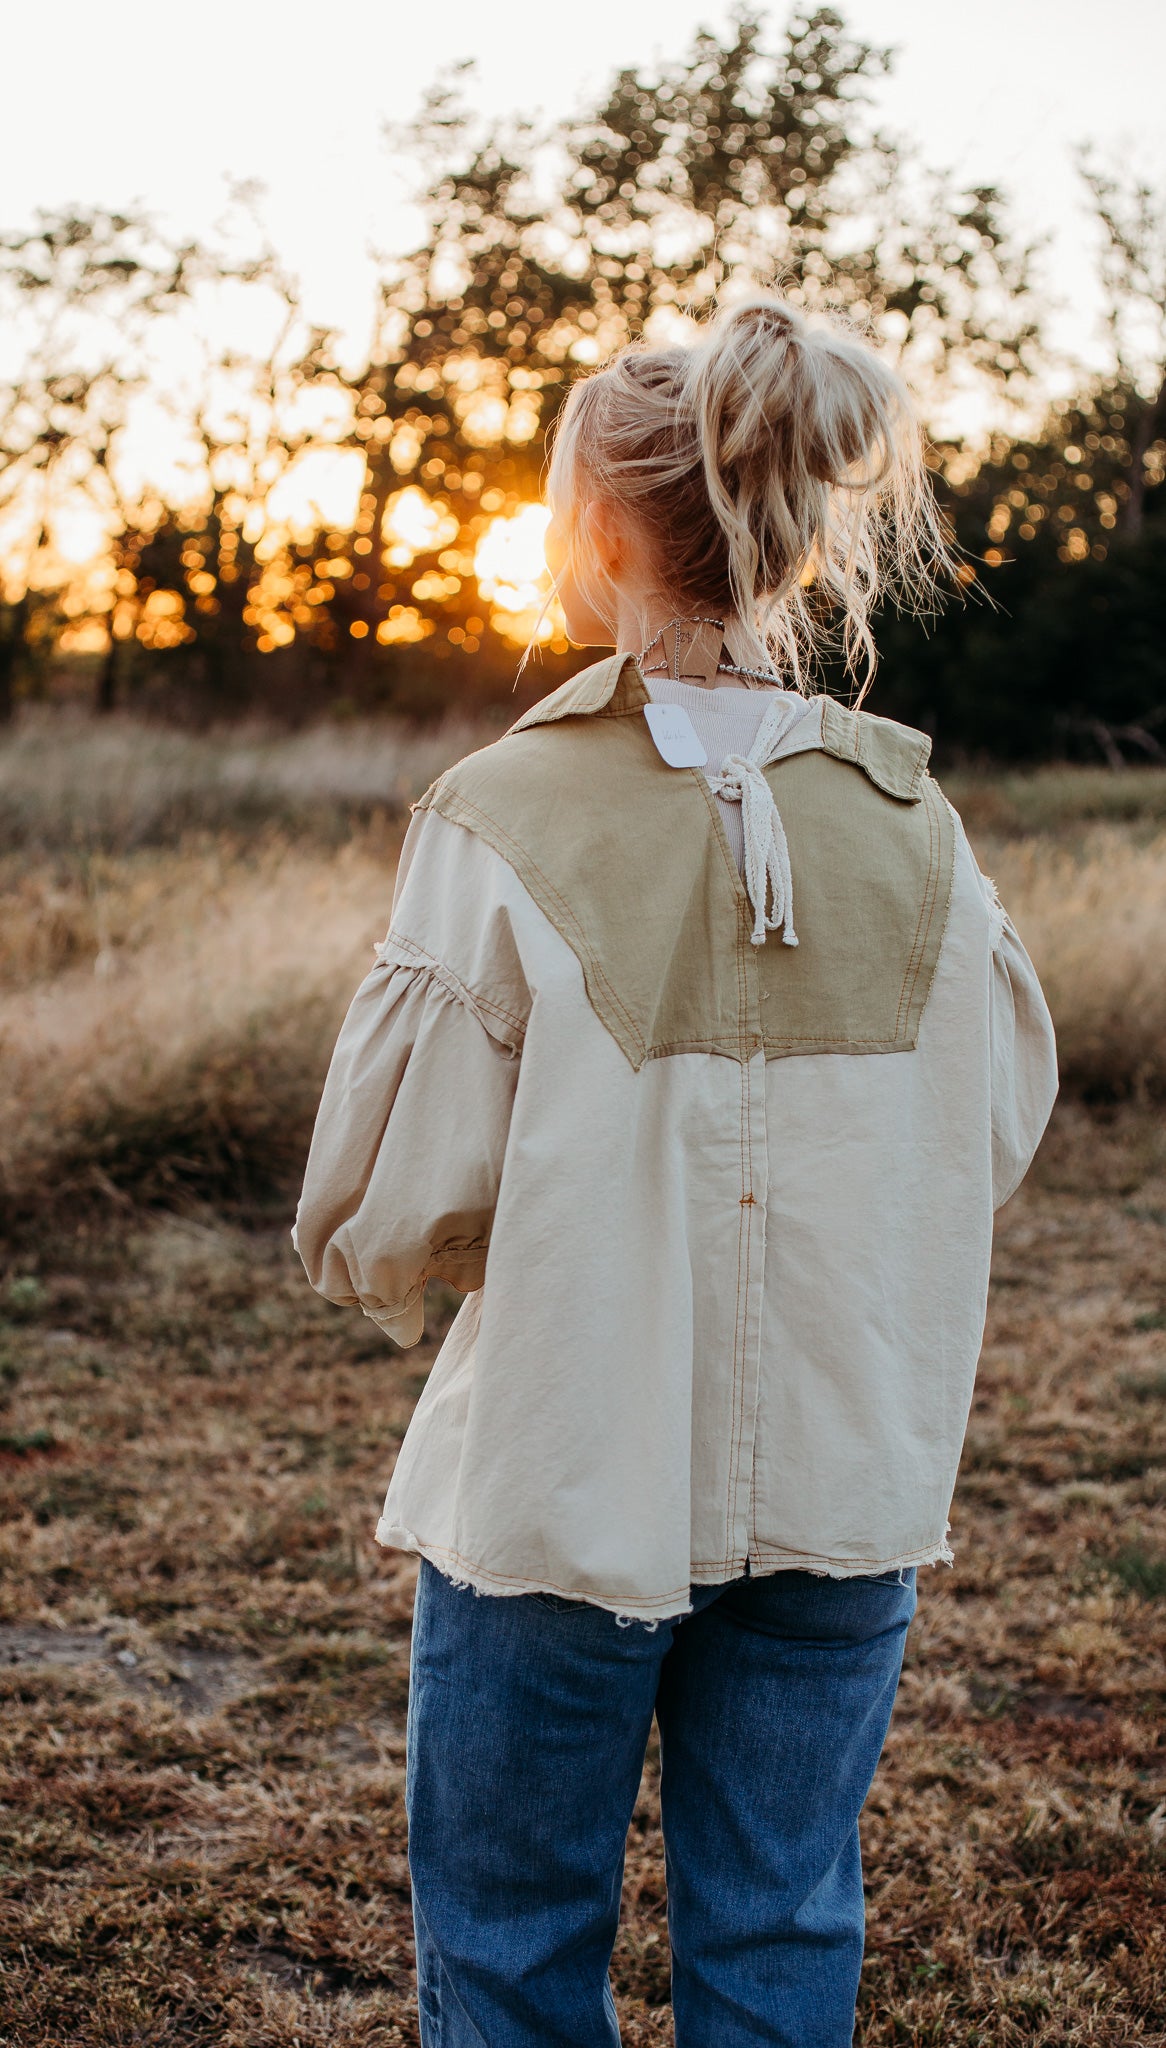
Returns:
(229,584)
(1059,649)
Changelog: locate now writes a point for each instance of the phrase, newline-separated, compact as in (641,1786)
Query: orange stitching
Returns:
(720,837)
(747,1222)
(935,841)
(428,961)
(944,818)
(586,953)
(520,859)
(933,890)
(935,798)
(918,939)
(924,1555)
(738,1396)
(744,1231)
(921,759)
(840,1045)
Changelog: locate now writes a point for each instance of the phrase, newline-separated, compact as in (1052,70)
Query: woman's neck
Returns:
(640,621)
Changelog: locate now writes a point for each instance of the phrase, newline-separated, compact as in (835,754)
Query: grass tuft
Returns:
(1142,1571)
(24,1443)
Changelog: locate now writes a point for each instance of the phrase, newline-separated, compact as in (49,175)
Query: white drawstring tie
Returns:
(768,881)
(767,873)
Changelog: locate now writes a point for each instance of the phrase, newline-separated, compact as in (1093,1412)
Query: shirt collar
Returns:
(614,686)
(893,756)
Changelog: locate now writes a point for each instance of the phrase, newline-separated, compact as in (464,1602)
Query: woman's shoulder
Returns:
(893,756)
(561,747)
(498,781)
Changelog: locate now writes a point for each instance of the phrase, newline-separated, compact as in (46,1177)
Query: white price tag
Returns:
(675,736)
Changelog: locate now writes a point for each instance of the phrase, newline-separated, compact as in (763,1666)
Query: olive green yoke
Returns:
(629,861)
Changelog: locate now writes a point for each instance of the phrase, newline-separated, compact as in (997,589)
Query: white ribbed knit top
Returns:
(726,721)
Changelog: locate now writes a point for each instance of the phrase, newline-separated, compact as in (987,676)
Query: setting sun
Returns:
(512,576)
(509,563)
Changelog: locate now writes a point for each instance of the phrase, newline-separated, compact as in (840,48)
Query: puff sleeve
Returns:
(1023,1056)
(406,1157)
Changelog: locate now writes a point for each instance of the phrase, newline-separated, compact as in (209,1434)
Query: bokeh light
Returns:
(320,487)
(414,525)
(404,626)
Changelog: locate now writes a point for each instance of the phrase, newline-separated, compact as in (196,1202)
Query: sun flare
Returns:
(513,578)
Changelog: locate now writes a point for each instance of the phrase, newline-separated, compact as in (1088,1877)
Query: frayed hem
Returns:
(476,1579)
(997,915)
(856,1568)
(467,1577)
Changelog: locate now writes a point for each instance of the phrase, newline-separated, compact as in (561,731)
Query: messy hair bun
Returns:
(775,467)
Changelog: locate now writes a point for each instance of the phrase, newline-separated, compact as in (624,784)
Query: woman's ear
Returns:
(606,537)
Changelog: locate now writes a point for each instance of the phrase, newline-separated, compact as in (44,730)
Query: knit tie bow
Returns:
(768,881)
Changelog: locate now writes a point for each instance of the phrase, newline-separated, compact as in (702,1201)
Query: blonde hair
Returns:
(775,468)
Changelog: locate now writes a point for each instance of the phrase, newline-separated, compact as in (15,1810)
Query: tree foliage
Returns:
(80,290)
(543,248)
(1132,220)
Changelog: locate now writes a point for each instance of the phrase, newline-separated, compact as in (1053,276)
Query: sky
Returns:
(163,104)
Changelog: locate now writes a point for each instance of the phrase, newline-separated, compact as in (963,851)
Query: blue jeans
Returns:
(528,1721)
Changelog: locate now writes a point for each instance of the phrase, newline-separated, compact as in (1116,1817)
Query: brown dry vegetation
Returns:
(206,1655)
(170,994)
(203,1655)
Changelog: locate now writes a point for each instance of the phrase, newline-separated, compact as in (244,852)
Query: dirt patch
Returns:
(29,1645)
(197,1681)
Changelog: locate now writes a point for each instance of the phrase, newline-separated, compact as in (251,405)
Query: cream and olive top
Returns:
(721,1205)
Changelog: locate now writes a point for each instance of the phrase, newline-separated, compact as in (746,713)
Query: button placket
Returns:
(751,1262)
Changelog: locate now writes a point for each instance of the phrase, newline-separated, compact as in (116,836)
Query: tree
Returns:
(79,289)
(236,578)
(1065,525)
(1066,656)
(1132,219)
(545,250)
(89,294)
(542,250)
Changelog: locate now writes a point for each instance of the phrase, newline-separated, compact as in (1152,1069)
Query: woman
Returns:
(698,1054)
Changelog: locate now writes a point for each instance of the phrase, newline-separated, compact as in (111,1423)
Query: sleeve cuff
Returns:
(405,1326)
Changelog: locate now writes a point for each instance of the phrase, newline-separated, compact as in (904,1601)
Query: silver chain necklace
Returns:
(724,666)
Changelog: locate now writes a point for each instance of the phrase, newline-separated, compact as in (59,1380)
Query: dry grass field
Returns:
(203,1656)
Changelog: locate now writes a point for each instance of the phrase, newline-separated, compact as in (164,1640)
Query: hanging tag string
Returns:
(768,881)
